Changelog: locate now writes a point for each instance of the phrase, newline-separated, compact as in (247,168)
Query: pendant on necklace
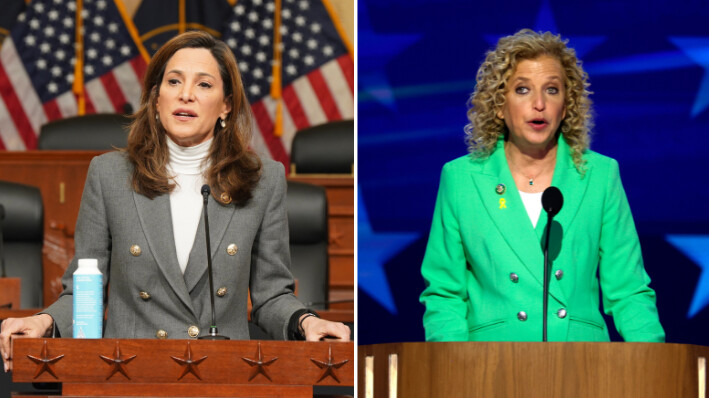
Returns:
(531,181)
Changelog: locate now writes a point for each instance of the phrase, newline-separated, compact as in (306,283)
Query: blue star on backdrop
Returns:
(374,250)
(372,59)
(546,23)
(697,48)
(696,247)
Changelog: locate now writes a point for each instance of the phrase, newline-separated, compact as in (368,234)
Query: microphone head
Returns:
(205,190)
(552,201)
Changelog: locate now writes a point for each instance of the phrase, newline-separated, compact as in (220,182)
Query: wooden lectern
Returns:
(546,370)
(183,368)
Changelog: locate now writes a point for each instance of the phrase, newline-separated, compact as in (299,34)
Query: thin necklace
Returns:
(531,179)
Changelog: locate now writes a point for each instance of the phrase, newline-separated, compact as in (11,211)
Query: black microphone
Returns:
(2,248)
(552,201)
(213,332)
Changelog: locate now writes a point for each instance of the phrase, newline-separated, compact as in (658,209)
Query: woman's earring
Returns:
(157,116)
(222,122)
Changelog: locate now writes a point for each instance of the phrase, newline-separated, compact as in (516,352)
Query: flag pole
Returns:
(276,81)
(181,23)
(78,84)
(338,26)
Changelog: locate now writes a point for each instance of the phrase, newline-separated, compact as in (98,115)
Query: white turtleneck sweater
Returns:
(186,199)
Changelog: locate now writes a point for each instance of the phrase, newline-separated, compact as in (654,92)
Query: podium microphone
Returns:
(552,201)
(213,332)
(2,248)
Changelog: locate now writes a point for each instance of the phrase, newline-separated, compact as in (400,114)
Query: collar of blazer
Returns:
(511,219)
(156,222)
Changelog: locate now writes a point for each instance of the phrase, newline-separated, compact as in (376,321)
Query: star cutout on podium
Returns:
(189,363)
(696,248)
(336,235)
(44,363)
(259,365)
(329,366)
(117,362)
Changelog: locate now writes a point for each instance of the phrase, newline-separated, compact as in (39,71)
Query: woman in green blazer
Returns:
(483,268)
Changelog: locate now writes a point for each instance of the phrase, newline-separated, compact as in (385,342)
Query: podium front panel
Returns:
(123,367)
(471,369)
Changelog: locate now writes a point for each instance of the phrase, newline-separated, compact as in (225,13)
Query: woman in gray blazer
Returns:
(140,215)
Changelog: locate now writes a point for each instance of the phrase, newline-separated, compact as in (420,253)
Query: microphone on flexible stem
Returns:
(552,200)
(213,332)
(2,248)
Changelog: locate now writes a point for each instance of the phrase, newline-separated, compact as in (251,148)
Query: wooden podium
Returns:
(532,370)
(183,368)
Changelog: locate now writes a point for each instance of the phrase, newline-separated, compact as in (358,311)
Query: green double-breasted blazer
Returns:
(483,266)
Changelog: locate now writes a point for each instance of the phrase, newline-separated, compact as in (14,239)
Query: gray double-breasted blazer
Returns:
(147,293)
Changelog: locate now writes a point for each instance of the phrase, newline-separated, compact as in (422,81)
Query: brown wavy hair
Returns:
(485,128)
(233,168)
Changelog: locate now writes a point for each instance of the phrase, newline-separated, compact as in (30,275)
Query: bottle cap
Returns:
(88,263)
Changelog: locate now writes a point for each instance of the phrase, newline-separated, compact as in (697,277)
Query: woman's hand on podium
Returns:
(31,326)
(316,329)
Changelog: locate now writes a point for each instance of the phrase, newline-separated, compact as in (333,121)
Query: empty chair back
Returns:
(324,149)
(101,131)
(23,235)
(308,231)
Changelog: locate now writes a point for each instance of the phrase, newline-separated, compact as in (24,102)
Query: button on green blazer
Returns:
(483,266)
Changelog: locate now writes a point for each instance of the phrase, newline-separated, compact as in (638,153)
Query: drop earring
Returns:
(222,122)
(157,116)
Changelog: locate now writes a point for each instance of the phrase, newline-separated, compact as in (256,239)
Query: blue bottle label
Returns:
(88,306)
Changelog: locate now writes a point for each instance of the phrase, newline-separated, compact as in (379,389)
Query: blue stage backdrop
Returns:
(649,70)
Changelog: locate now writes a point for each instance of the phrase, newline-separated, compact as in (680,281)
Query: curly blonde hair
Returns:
(485,128)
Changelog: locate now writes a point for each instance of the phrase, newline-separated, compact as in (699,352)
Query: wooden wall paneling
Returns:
(9,293)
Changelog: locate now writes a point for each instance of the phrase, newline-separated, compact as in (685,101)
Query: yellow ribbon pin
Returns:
(502,203)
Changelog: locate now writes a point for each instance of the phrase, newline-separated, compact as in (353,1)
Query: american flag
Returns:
(317,69)
(37,66)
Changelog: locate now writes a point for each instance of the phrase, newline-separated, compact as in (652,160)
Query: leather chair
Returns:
(23,235)
(101,131)
(308,230)
(324,149)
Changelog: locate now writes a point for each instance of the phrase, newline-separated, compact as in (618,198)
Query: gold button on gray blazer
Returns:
(113,218)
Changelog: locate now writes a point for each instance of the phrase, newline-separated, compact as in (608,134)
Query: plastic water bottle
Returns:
(88,300)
